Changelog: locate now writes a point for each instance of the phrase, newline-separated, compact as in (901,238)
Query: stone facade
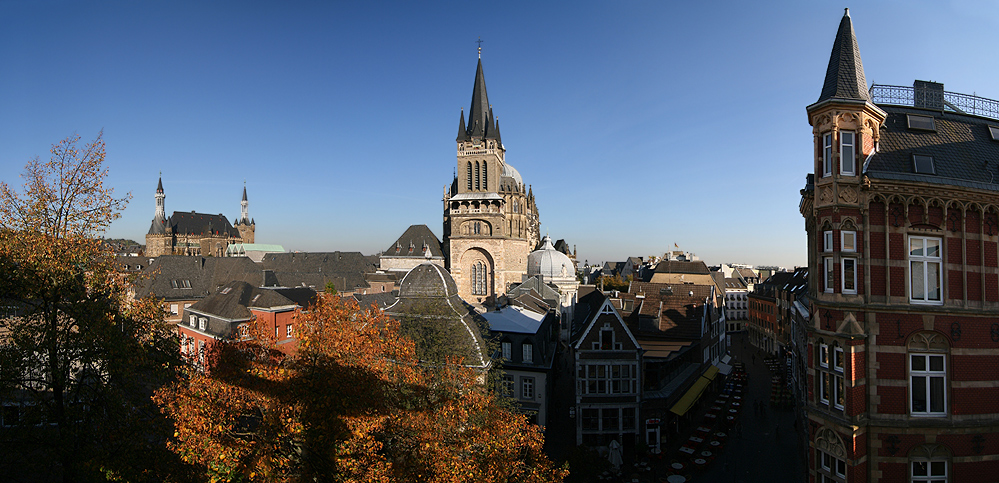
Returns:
(195,234)
(491,220)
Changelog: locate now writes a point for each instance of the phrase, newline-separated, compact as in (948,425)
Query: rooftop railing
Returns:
(952,101)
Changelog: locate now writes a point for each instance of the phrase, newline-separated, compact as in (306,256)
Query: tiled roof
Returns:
(236,298)
(679,309)
(845,73)
(176,277)
(191,223)
(314,269)
(963,151)
(675,266)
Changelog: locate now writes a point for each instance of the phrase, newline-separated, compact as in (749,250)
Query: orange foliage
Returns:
(351,405)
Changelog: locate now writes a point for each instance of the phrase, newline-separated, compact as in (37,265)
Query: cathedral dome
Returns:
(427,280)
(550,263)
(511,172)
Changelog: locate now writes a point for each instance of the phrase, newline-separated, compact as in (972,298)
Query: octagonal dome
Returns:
(511,172)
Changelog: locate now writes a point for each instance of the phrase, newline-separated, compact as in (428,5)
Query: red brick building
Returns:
(902,215)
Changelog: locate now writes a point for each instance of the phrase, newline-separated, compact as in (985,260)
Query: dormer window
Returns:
(922,164)
(921,123)
(846,153)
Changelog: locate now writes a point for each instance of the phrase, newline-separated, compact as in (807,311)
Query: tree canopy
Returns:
(353,404)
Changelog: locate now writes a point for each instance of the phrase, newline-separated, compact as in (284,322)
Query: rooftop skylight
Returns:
(994,131)
(922,164)
(922,123)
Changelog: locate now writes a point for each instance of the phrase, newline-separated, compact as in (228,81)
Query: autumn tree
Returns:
(353,404)
(78,359)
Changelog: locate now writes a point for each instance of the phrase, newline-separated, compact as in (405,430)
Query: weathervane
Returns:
(480,46)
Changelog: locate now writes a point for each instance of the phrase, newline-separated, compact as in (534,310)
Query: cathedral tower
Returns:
(490,218)
(158,239)
(246,226)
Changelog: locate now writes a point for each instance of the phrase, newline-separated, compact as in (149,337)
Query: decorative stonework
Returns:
(828,441)
(848,195)
(927,341)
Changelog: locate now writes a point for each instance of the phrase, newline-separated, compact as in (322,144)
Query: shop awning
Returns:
(725,369)
(711,372)
(693,394)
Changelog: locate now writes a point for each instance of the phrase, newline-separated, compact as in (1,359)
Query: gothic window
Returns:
(516,206)
(929,463)
(827,154)
(478,176)
(927,353)
(830,457)
(485,176)
(469,175)
(479,278)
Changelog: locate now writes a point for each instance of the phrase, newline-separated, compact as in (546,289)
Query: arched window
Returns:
(469,175)
(927,353)
(485,176)
(830,456)
(479,278)
(928,463)
(516,206)
(478,176)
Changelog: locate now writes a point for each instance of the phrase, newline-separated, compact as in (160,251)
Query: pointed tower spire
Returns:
(845,74)
(499,139)
(244,216)
(462,133)
(478,113)
(158,226)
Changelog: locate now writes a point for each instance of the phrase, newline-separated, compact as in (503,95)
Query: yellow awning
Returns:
(693,394)
(711,372)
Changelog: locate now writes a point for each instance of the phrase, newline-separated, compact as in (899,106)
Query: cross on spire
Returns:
(480,46)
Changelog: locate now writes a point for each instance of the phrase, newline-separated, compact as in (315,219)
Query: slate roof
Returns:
(586,307)
(415,237)
(235,299)
(205,275)
(563,247)
(481,123)
(734,284)
(845,73)
(963,151)
(532,301)
(314,269)
(381,300)
(191,223)
(537,285)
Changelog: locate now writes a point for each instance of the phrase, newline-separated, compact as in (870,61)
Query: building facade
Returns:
(491,220)
(902,216)
(196,234)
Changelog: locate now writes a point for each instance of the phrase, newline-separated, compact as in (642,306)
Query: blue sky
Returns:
(638,124)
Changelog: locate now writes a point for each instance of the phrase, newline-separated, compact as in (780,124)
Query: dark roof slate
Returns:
(845,73)
(416,236)
(963,151)
(676,266)
(314,269)
(236,298)
(204,274)
(191,223)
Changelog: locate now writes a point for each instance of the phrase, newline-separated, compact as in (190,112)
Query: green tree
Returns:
(78,359)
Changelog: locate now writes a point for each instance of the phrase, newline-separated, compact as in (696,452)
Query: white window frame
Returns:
(527,353)
(290,328)
(847,235)
(507,385)
(833,468)
(927,263)
(852,159)
(174,309)
(827,157)
(843,279)
(829,270)
(930,476)
(202,323)
(507,349)
(927,374)
(194,321)
(827,241)
(527,391)
(823,355)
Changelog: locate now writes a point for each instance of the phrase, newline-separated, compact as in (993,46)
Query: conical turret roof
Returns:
(462,133)
(159,186)
(845,74)
(244,192)
(479,111)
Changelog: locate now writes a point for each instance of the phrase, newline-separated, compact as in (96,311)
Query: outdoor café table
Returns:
(715,444)
(716,408)
(711,415)
(687,449)
(733,410)
(702,429)
(719,401)
(720,434)
(695,439)
(730,418)
(700,461)
(676,479)
(677,466)
(706,454)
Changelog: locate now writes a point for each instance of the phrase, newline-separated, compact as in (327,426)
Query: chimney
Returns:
(928,95)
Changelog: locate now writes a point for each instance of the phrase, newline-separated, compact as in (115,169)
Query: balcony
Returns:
(950,101)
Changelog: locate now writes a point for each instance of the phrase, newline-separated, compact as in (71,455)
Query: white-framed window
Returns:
(290,330)
(608,378)
(194,321)
(244,331)
(848,240)
(830,269)
(187,305)
(507,350)
(827,155)
(507,385)
(174,309)
(831,468)
(838,359)
(925,262)
(927,384)
(528,353)
(827,241)
(847,151)
(527,388)
(183,344)
(202,323)
(849,275)
(277,332)
(824,387)
(929,470)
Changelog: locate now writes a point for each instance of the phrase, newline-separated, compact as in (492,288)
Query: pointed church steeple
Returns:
(499,139)
(845,74)
(462,132)
(478,113)
(158,226)
(244,216)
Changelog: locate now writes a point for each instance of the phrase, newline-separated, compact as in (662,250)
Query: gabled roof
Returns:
(416,237)
(236,299)
(314,269)
(167,274)
(678,310)
(845,73)
(677,266)
(605,312)
(538,286)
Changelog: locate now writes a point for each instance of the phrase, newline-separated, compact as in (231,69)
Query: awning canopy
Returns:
(725,369)
(711,372)
(693,394)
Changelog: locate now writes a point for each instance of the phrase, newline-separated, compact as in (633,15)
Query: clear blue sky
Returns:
(639,124)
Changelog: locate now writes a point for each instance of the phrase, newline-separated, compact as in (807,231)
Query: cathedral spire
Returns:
(244,216)
(158,226)
(462,133)
(845,74)
(478,113)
